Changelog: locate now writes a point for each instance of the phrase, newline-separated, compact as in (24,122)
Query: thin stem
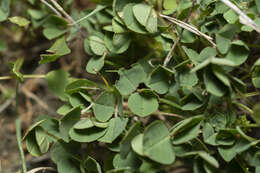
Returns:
(51,7)
(18,128)
(30,76)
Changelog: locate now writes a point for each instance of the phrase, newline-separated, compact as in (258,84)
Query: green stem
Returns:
(18,130)
(244,107)
(36,76)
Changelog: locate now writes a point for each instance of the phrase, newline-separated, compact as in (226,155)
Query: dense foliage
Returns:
(179,87)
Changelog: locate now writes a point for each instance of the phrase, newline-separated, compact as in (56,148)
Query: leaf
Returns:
(185,124)
(115,128)
(256,114)
(209,159)
(15,69)
(130,20)
(58,49)
(193,105)
(146,16)
(193,55)
(230,16)
(206,53)
(32,145)
(187,135)
(97,45)
(143,104)
(213,85)
(238,52)
(131,161)
(20,21)
(4,9)
(125,144)
(187,79)
(62,154)
(87,135)
(95,64)
(170,6)
(54,26)
(117,43)
(80,85)
(92,165)
(68,121)
(137,144)
(157,144)
(104,106)
(257,5)
(158,80)
(256,74)
(130,79)
(221,75)
(57,81)
(41,139)
(84,124)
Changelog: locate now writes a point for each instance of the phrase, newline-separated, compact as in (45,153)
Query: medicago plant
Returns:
(179,86)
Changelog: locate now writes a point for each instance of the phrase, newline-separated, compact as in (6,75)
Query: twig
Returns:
(169,56)
(51,7)
(86,109)
(169,114)
(67,16)
(7,103)
(243,18)
(189,28)
(38,100)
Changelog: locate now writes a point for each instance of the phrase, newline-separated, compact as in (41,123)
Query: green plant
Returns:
(178,78)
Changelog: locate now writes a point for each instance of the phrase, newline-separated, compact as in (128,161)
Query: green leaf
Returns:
(68,121)
(146,16)
(137,144)
(104,106)
(92,165)
(84,124)
(256,114)
(256,74)
(32,145)
(238,52)
(193,55)
(143,104)
(95,64)
(130,79)
(157,144)
(62,154)
(20,21)
(257,5)
(57,81)
(131,161)
(58,49)
(80,85)
(15,69)
(187,135)
(158,80)
(206,53)
(130,20)
(125,144)
(87,135)
(209,159)
(118,5)
(230,16)
(97,45)
(187,79)
(213,85)
(115,128)
(185,124)
(193,105)
(221,75)
(224,37)
(4,9)
(41,139)
(53,32)
(117,43)
(170,6)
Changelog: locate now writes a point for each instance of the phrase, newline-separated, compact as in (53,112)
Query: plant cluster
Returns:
(179,87)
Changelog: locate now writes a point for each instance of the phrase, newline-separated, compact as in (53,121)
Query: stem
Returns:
(30,76)
(18,129)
